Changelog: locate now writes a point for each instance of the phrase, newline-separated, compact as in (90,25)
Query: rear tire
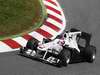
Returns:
(90,54)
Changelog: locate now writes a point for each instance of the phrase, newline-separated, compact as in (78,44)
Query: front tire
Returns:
(32,44)
(65,57)
(22,50)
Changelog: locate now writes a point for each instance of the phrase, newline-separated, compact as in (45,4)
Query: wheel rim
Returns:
(93,56)
(67,61)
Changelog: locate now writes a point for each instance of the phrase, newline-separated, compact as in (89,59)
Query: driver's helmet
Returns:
(66,31)
(65,35)
(61,42)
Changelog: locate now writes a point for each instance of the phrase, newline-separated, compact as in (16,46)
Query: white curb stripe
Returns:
(55,23)
(51,5)
(37,36)
(4,47)
(48,29)
(53,13)
(63,17)
(21,41)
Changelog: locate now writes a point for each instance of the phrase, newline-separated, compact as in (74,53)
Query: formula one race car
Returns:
(66,48)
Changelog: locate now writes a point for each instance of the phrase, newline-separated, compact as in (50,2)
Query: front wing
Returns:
(44,56)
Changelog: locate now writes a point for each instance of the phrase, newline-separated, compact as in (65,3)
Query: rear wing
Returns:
(87,37)
(84,35)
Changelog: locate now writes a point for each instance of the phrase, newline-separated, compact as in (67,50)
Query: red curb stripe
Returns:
(55,18)
(51,26)
(27,37)
(13,44)
(44,33)
(52,2)
(56,11)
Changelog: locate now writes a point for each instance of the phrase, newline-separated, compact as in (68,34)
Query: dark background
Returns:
(81,14)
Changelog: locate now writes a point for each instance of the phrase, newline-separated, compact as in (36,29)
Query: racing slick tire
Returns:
(32,44)
(91,54)
(65,57)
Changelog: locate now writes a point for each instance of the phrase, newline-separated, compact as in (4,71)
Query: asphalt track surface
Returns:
(82,14)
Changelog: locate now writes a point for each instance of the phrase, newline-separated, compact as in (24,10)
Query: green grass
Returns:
(19,16)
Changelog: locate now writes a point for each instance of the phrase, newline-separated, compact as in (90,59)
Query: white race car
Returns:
(69,47)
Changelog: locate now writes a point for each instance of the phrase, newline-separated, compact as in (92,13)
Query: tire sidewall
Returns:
(32,44)
(65,56)
(90,51)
